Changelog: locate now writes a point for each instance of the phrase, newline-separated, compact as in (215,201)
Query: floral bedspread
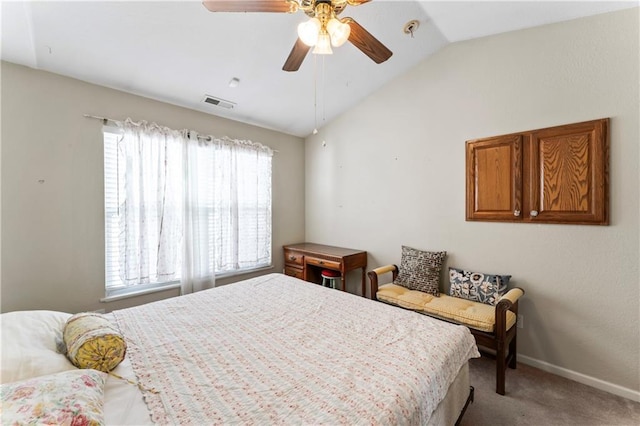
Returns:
(277,350)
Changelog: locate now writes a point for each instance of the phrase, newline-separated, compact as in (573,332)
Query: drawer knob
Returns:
(534,213)
(292,258)
(516,213)
(321,262)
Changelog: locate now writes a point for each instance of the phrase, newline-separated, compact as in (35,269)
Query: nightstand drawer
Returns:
(323,263)
(293,258)
(294,272)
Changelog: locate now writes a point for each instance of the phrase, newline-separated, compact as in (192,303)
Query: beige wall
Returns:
(392,173)
(53,232)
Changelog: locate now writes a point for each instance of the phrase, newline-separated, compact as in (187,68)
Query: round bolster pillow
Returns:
(94,342)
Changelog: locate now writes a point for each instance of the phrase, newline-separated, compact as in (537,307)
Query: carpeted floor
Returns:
(535,397)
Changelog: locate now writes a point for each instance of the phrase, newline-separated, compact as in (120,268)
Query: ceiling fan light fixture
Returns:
(309,31)
(322,30)
(339,32)
(323,47)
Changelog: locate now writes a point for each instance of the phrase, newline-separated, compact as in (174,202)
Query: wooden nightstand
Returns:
(306,260)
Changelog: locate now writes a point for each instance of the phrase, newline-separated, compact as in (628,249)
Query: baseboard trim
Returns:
(581,378)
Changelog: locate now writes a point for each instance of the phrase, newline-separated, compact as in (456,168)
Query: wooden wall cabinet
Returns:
(554,175)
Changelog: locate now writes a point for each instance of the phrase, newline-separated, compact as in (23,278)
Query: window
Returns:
(173,214)
(111,218)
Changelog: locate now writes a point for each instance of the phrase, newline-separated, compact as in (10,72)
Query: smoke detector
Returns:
(411,26)
(212,100)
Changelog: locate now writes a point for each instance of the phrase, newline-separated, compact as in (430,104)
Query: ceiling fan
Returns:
(321,31)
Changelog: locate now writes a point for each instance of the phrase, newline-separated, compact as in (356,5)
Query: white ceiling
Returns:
(179,51)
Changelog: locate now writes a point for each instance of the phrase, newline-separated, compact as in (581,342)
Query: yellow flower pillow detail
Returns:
(94,342)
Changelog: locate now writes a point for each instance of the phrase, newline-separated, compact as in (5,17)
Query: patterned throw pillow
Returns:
(74,397)
(420,270)
(92,341)
(476,286)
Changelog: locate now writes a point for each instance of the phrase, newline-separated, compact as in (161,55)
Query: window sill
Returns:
(243,272)
(135,293)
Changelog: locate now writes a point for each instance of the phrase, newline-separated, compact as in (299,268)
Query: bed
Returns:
(268,350)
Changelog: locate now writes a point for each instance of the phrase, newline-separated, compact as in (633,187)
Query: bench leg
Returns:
(501,366)
(513,352)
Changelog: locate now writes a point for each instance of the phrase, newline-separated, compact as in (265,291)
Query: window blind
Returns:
(235,218)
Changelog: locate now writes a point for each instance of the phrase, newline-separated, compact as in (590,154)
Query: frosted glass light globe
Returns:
(338,31)
(309,31)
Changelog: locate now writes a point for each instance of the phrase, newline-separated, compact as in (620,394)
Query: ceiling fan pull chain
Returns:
(315,94)
(324,91)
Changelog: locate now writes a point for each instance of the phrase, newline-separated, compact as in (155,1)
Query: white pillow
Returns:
(29,345)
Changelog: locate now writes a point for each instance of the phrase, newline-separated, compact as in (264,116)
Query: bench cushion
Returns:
(478,316)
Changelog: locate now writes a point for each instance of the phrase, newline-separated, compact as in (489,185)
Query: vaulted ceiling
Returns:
(178,52)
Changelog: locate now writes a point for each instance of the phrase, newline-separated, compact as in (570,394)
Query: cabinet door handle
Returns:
(516,213)
(534,213)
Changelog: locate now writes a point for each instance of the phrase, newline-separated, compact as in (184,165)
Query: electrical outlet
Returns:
(520,322)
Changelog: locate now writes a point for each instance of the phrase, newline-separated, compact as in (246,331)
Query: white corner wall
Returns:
(53,231)
(392,173)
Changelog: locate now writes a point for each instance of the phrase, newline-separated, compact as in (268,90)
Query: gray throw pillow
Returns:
(420,270)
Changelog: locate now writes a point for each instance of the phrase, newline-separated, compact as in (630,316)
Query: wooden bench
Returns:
(494,327)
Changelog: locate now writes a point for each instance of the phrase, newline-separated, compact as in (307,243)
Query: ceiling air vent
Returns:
(218,102)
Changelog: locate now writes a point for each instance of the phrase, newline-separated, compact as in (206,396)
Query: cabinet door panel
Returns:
(568,166)
(494,178)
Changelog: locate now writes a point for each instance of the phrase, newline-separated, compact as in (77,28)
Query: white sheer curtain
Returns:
(189,206)
(150,199)
(198,271)
(166,187)
(242,205)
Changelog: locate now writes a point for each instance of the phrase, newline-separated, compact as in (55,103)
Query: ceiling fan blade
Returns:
(297,55)
(368,44)
(248,5)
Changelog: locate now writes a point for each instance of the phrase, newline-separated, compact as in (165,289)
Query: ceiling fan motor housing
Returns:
(316,8)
